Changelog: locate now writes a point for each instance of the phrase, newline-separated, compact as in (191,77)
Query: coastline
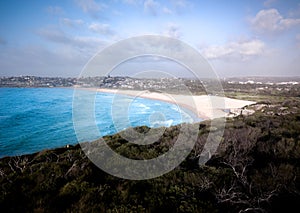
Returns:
(67,170)
(203,106)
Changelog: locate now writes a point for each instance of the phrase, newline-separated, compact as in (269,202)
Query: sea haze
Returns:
(34,119)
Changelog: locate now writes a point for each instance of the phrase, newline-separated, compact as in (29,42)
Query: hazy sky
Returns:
(238,37)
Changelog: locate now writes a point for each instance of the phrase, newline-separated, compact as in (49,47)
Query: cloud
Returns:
(155,8)
(88,42)
(65,55)
(40,61)
(167,10)
(132,2)
(241,49)
(172,30)
(268,3)
(151,7)
(103,29)
(269,21)
(298,40)
(2,41)
(117,13)
(295,11)
(72,22)
(55,10)
(84,44)
(53,34)
(180,3)
(91,7)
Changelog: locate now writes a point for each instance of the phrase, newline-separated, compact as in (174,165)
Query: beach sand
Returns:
(204,106)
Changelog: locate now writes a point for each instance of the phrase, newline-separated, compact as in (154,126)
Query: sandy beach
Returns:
(204,106)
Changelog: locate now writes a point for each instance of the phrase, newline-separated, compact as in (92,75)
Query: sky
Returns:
(238,38)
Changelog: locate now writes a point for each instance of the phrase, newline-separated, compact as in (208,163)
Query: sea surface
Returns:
(34,119)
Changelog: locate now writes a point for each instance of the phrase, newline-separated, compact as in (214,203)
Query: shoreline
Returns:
(203,106)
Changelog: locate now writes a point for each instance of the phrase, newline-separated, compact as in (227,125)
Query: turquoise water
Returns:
(34,119)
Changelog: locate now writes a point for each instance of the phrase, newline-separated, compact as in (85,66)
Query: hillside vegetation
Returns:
(256,169)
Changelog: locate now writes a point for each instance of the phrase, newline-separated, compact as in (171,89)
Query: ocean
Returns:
(34,119)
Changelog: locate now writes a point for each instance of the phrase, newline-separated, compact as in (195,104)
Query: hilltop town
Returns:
(287,86)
